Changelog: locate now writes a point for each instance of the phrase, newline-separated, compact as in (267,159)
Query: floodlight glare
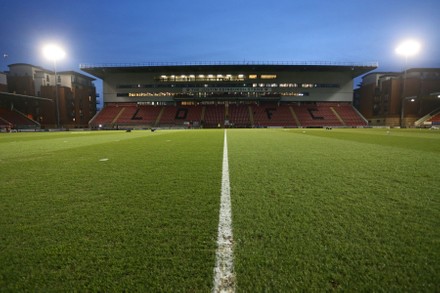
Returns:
(408,48)
(53,52)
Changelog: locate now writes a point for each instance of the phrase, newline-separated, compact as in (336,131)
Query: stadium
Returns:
(257,178)
(209,95)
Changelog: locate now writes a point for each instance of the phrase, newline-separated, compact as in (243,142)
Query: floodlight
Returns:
(408,48)
(53,52)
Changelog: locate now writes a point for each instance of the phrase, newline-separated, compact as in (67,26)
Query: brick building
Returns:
(32,91)
(399,98)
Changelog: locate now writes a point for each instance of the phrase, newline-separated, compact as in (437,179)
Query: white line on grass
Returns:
(224,277)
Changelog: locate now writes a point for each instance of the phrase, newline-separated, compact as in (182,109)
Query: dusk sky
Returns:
(96,32)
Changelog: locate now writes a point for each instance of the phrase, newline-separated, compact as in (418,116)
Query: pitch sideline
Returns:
(224,276)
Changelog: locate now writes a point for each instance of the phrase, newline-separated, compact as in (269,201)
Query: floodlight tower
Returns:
(402,107)
(55,53)
(407,49)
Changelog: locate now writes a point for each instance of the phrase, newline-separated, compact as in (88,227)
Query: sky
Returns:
(116,31)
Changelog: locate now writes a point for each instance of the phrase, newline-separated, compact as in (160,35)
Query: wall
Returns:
(76,93)
(381,102)
(343,93)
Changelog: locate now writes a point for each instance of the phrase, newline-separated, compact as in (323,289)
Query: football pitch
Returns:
(312,210)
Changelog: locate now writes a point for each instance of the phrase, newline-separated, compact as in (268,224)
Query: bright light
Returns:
(53,52)
(408,48)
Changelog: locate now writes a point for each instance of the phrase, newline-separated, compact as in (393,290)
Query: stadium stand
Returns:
(435,120)
(273,115)
(126,114)
(312,115)
(179,115)
(214,116)
(237,115)
(349,115)
(231,94)
(14,119)
(106,116)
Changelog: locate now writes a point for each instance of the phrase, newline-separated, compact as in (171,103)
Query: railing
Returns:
(204,63)
(420,121)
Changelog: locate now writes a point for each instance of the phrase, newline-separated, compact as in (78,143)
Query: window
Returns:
(199,77)
(295,94)
(307,85)
(268,76)
(288,85)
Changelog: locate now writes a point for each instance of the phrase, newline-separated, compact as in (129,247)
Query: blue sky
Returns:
(95,32)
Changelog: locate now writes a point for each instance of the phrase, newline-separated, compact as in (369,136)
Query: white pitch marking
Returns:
(224,276)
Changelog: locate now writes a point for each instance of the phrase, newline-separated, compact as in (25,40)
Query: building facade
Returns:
(68,102)
(399,98)
(3,82)
(163,83)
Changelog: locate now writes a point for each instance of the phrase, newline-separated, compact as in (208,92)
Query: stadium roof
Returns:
(100,70)
(70,72)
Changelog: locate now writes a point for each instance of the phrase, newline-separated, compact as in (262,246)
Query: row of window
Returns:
(214,94)
(212,77)
(226,85)
(73,78)
(200,77)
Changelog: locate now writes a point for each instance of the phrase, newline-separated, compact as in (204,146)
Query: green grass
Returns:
(313,210)
(355,210)
(145,220)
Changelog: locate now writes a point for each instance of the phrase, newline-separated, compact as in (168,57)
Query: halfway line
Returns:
(224,277)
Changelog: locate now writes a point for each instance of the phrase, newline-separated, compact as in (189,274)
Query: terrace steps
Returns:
(118,115)
(251,116)
(337,116)
(295,117)
(239,115)
(156,123)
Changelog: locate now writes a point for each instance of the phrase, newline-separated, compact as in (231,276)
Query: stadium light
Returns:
(55,53)
(407,48)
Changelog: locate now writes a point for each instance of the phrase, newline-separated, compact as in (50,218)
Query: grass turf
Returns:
(353,210)
(144,220)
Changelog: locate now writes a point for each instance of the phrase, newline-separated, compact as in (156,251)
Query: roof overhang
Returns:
(101,71)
